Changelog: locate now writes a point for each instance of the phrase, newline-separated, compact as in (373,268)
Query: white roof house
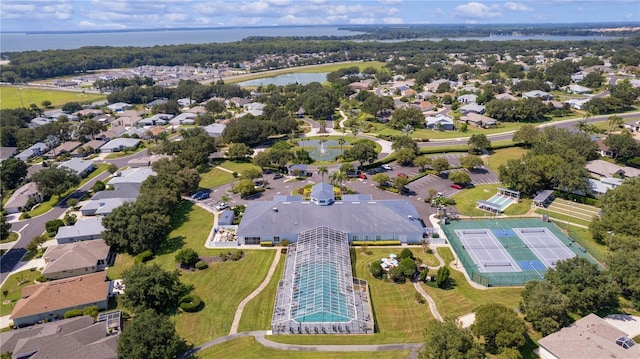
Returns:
(215,129)
(119,144)
(439,121)
(78,166)
(84,229)
(119,106)
(577,89)
(38,149)
(537,94)
(186,118)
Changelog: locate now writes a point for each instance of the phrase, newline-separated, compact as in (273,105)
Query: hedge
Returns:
(190,303)
(200,265)
(73,313)
(266,244)
(375,243)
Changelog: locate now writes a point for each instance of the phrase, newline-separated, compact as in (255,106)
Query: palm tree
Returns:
(341,142)
(338,178)
(615,122)
(323,170)
(581,126)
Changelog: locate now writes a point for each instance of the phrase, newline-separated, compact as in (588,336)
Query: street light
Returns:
(612,233)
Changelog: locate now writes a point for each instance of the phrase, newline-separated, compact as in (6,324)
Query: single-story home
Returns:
(633,127)
(537,94)
(119,107)
(50,300)
(120,144)
(21,196)
(185,102)
(80,167)
(7,152)
(439,122)
(604,184)
(74,259)
(156,102)
(577,103)
(226,218)
(604,150)
(577,89)
(478,120)
(156,120)
(134,175)
(38,149)
(73,338)
(505,96)
(66,147)
(468,98)
(83,230)
(600,168)
(589,337)
(215,129)
(186,118)
(39,121)
(146,161)
(473,108)
(94,145)
(111,134)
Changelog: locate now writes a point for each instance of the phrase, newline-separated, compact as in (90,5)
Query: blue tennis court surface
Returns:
(500,200)
(507,232)
(531,265)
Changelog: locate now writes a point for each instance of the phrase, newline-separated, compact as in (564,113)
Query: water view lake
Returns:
(302,78)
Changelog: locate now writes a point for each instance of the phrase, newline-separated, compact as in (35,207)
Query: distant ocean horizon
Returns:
(67,40)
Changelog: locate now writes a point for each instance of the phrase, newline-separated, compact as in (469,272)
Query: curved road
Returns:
(32,227)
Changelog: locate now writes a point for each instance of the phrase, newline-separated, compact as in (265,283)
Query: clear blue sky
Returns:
(57,15)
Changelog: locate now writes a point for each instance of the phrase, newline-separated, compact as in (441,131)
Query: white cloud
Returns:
(175,17)
(390,2)
(392,20)
(362,20)
(18,7)
(476,10)
(513,6)
(245,21)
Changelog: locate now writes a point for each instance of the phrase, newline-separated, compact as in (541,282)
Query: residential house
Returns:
(433,85)
(126,188)
(215,129)
(39,121)
(135,132)
(80,167)
(361,85)
(425,95)
(111,134)
(21,196)
(185,102)
(185,118)
(146,161)
(603,149)
(94,146)
(73,338)
(66,147)
(633,127)
(84,229)
(156,102)
(478,120)
(408,92)
(7,152)
(505,96)
(135,175)
(578,76)
(50,300)
(155,120)
(196,110)
(604,184)
(236,102)
(538,94)
(468,98)
(36,150)
(589,337)
(74,259)
(577,103)
(577,89)
(600,168)
(473,108)
(439,122)
(120,144)
(119,107)
(89,112)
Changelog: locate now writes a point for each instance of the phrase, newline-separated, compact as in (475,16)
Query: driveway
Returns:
(627,323)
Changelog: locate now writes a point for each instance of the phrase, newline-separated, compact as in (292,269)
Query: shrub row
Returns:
(376,243)
(266,244)
(190,303)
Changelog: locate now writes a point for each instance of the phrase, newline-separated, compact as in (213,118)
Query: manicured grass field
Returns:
(308,69)
(584,238)
(399,318)
(22,96)
(562,218)
(238,167)
(431,134)
(14,290)
(258,312)
(215,177)
(501,156)
(462,298)
(466,201)
(250,348)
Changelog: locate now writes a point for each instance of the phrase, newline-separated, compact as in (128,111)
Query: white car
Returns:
(386,167)
(221,206)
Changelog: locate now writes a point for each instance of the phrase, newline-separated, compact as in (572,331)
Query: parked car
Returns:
(386,167)
(362,175)
(197,194)
(403,175)
(456,186)
(200,195)
(277,176)
(222,206)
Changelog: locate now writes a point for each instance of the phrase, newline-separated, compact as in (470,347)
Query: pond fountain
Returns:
(321,151)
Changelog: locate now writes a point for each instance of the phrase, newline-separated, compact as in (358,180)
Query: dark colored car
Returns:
(456,186)
(277,176)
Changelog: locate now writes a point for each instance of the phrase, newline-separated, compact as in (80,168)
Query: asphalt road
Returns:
(32,227)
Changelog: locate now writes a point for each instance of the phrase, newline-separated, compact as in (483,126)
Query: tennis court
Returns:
(515,250)
(486,251)
(546,246)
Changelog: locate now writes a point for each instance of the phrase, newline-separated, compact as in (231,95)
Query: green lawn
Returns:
(399,318)
(14,290)
(250,348)
(13,236)
(215,177)
(22,96)
(44,207)
(308,69)
(584,238)
(238,167)
(466,201)
(258,312)
(563,218)
(501,156)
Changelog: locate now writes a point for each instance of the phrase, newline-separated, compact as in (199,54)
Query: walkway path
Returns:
(260,338)
(432,303)
(265,282)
